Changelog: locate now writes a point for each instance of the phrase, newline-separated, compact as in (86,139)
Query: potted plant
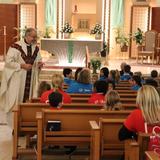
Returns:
(97,30)
(67,30)
(96,64)
(123,40)
(48,31)
(138,37)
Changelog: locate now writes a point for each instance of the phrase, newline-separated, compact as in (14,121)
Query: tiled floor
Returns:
(6,148)
(5,143)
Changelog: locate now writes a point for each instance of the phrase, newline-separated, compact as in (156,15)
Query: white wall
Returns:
(41,15)
(85,6)
(17,1)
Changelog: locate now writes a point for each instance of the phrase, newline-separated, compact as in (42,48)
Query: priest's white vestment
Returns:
(14,77)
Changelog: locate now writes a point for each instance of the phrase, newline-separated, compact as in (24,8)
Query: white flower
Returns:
(67,28)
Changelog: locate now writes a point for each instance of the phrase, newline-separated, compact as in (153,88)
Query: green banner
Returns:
(117,13)
(50,12)
(70,51)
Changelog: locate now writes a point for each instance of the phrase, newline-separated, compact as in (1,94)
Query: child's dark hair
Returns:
(66,71)
(137,79)
(77,72)
(55,98)
(105,71)
(127,68)
(101,87)
(44,86)
(154,73)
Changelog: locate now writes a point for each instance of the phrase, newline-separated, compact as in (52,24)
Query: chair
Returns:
(149,49)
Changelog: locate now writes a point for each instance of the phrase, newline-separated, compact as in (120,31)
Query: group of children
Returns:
(101,89)
(96,86)
(102,92)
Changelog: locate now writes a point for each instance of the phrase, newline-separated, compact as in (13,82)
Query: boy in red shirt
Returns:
(100,89)
(55,99)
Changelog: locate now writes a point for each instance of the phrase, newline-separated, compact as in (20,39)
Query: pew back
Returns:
(104,139)
(75,128)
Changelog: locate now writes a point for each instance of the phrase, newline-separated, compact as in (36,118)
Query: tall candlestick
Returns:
(4,28)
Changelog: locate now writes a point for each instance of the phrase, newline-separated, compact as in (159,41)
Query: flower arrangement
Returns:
(138,36)
(20,32)
(96,64)
(67,28)
(97,29)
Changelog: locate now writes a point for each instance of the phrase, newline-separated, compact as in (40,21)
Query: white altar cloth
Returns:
(70,52)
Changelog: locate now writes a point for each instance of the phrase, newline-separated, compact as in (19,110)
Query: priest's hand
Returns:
(26,66)
(40,65)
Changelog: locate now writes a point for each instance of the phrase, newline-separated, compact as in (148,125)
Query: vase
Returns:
(94,70)
(124,48)
(97,36)
(67,35)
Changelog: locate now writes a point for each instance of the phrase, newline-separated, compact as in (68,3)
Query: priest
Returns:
(20,75)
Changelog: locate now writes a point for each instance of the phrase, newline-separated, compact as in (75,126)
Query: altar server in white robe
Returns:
(20,75)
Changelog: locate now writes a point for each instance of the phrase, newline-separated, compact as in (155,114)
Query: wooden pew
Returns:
(25,121)
(34,100)
(151,155)
(85,97)
(123,81)
(123,88)
(127,103)
(129,106)
(75,128)
(123,85)
(137,148)
(85,100)
(122,95)
(131,150)
(128,95)
(37,100)
(105,143)
(125,91)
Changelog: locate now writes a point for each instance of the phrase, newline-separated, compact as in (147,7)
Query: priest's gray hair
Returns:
(29,30)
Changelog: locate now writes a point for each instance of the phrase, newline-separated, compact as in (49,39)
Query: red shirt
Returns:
(135,122)
(97,98)
(66,97)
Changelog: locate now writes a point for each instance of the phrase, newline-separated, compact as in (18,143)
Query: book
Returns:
(54,125)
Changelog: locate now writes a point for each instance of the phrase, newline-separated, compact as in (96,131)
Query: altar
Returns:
(71,52)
